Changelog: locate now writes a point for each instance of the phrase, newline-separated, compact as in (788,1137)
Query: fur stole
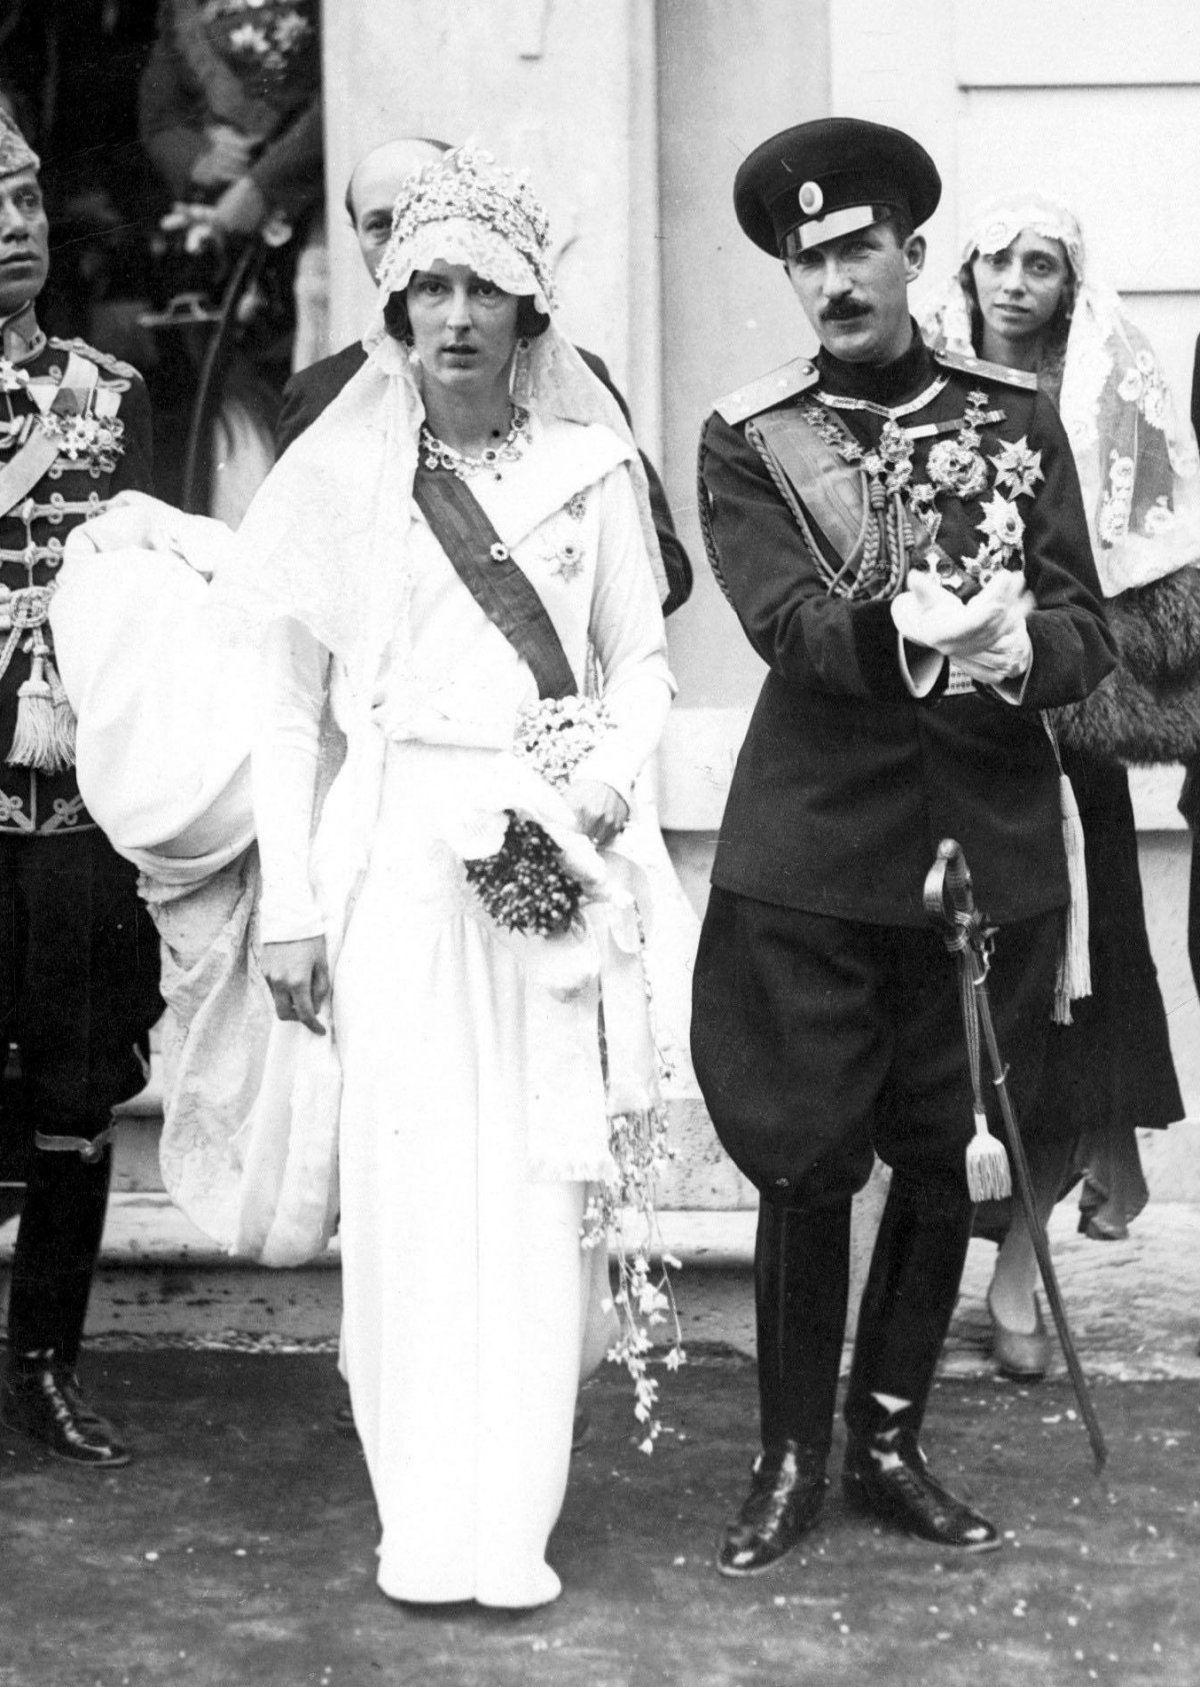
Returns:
(1148,709)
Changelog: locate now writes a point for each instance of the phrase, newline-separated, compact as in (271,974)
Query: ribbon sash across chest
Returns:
(482,562)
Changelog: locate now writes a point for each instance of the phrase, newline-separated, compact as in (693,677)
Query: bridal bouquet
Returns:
(527,884)
(524,884)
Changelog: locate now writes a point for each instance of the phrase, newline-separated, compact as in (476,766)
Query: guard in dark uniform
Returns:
(78,955)
(903,541)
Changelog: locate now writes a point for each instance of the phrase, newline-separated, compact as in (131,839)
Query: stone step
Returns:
(1134,1305)
(160,1279)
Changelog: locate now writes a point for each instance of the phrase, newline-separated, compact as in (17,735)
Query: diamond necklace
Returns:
(439,455)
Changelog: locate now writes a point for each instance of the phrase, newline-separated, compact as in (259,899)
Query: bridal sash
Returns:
(488,570)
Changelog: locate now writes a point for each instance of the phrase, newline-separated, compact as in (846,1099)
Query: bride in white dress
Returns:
(459,1061)
(463,1175)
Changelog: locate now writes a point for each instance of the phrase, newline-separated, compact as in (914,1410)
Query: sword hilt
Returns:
(949,900)
(949,895)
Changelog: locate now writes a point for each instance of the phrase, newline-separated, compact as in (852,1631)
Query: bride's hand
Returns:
(298,974)
(599,812)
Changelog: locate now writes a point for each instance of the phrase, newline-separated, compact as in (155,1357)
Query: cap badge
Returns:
(811,199)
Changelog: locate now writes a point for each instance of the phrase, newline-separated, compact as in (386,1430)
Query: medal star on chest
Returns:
(566,560)
(563,552)
(93,442)
(997,483)
(955,467)
(86,428)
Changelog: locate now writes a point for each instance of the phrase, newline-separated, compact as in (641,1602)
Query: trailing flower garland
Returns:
(644,1299)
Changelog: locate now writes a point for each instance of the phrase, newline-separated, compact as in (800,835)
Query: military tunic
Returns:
(78,961)
(101,424)
(846,782)
(823,1021)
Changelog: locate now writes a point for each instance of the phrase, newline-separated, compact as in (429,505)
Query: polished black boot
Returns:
(801,1278)
(42,1399)
(906,1309)
(784,1502)
(58,1240)
(888,1477)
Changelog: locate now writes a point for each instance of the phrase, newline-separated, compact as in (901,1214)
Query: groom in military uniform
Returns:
(903,541)
(78,955)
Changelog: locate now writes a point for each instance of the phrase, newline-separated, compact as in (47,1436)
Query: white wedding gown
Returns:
(466,1288)
(470,1307)
(473,1107)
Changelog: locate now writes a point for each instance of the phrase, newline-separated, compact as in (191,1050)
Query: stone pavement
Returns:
(237,1550)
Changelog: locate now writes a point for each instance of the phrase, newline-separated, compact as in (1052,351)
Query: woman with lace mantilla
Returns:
(1022,298)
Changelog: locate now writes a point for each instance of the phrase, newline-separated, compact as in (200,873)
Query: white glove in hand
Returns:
(1007,659)
(926,613)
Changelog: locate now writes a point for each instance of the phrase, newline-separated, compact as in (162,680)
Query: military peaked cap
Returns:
(823,179)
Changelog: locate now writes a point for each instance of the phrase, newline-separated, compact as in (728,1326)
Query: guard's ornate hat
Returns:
(15,151)
(823,179)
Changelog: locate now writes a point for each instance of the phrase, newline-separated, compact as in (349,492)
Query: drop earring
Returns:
(518,375)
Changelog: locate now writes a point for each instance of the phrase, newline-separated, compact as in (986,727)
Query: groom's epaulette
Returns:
(767,391)
(987,371)
(103,359)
